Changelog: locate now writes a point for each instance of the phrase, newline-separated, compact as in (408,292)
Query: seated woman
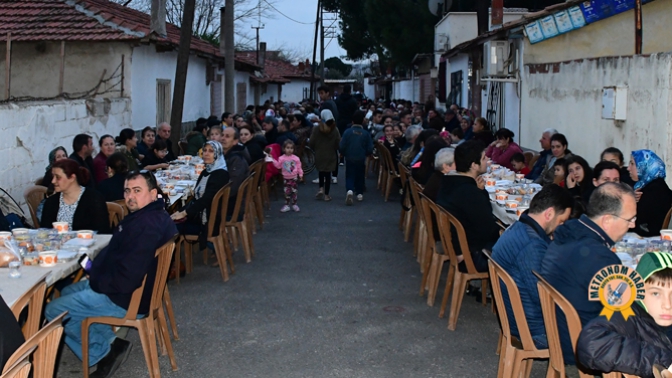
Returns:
(83,209)
(501,150)
(422,173)
(112,188)
(107,148)
(615,155)
(58,153)
(128,142)
(255,144)
(148,135)
(579,177)
(197,138)
(390,141)
(482,131)
(412,155)
(654,196)
(211,180)
(156,158)
(560,150)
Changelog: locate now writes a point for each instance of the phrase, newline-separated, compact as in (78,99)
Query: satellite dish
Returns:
(436,7)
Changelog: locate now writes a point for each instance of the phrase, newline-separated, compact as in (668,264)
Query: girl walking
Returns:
(324,141)
(290,166)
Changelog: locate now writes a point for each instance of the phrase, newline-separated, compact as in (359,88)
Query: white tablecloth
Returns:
(501,214)
(12,288)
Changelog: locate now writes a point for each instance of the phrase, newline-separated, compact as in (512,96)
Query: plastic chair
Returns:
(220,204)
(407,208)
(661,372)
(241,226)
(43,346)
(666,221)
(392,171)
(33,299)
(33,196)
(256,204)
(433,260)
(457,280)
(420,236)
(20,370)
(182,145)
(147,326)
(116,214)
(517,355)
(383,169)
(533,160)
(122,203)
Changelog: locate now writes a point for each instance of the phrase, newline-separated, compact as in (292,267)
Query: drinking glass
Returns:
(15,269)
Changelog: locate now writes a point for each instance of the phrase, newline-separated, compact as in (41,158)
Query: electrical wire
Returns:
(286,16)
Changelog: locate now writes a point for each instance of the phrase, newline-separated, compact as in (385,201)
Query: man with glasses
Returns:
(115,274)
(582,247)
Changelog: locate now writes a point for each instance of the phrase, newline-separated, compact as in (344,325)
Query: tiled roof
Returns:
(84,20)
(275,70)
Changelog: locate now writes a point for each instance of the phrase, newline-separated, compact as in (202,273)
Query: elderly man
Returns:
(82,149)
(117,271)
(544,156)
(444,164)
(163,133)
(237,161)
(411,135)
(582,247)
(521,249)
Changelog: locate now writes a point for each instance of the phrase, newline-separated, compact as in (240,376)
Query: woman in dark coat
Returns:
(112,188)
(255,144)
(654,196)
(324,140)
(82,208)
(58,153)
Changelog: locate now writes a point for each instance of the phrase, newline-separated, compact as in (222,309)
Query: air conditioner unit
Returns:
(496,56)
(442,43)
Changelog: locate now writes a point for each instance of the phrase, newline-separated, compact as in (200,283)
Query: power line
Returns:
(286,16)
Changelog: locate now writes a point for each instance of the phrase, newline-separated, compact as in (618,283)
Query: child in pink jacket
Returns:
(290,167)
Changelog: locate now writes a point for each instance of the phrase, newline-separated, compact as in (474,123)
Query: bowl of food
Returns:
(511,204)
(85,234)
(61,227)
(48,258)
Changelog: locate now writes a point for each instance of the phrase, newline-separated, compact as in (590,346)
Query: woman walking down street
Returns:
(654,197)
(324,141)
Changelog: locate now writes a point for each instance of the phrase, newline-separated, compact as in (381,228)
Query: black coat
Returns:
(630,347)
(11,337)
(255,147)
(88,164)
(652,208)
(112,188)
(218,178)
(91,212)
(347,106)
(121,266)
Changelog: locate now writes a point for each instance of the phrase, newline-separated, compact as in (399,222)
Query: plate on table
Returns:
(65,256)
(504,183)
(77,242)
(501,202)
(185,183)
(490,189)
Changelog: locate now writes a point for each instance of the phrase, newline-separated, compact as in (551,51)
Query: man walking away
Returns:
(355,146)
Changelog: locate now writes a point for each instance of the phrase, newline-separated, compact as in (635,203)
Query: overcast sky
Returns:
(282,32)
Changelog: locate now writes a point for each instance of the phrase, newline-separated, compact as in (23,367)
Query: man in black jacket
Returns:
(463,195)
(237,161)
(115,274)
(82,147)
(347,106)
(11,337)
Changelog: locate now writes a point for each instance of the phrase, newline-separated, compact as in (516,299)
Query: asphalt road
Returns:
(332,292)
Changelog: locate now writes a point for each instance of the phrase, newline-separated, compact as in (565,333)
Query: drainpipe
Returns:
(638,27)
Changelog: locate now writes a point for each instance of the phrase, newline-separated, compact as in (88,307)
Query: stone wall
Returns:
(31,130)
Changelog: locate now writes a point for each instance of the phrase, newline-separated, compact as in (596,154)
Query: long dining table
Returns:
(11,289)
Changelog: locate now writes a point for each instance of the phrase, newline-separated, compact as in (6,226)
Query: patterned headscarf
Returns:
(52,155)
(219,162)
(649,167)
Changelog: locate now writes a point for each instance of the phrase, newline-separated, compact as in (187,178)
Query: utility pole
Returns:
(313,67)
(321,46)
(638,27)
(229,58)
(181,71)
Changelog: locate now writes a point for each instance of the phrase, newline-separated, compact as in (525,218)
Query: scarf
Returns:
(649,167)
(219,162)
(52,156)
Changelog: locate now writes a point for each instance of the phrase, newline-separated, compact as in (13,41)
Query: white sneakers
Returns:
(360,197)
(334,180)
(348,198)
(284,209)
(316,181)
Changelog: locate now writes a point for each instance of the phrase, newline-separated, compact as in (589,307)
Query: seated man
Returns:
(115,274)
(581,247)
(464,196)
(635,345)
(522,247)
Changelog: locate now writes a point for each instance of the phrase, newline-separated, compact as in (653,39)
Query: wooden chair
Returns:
(420,236)
(407,209)
(533,160)
(122,203)
(219,205)
(517,353)
(529,155)
(457,280)
(20,370)
(383,170)
(256,204)
(150,327)
(183,147)
(391,173)
(116,214)
(239,226)
(33,196)
(33,299)
(666,221)
(168,304)
(433,260)
(43,346)
(39,181)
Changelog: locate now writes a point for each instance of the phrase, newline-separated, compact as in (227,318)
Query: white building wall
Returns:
(147,66)
(369,89)
(459,63)
(570,100)
(30,130)
(293,91)
(402,89)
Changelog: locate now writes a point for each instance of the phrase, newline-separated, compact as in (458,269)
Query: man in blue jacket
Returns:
(582,247)
(521,248)
(355,146)
(544,156)
(115,274)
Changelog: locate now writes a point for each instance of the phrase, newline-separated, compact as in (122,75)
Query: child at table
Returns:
(633,346)
(215,133)
(290,166)
(560,172)
(518,164)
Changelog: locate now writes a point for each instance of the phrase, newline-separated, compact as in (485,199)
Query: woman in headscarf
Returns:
(212,179)
(654,197)
(58,153)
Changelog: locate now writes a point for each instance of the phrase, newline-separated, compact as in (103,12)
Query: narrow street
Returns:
(332,292)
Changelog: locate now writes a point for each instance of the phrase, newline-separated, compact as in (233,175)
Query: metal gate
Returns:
(495,110)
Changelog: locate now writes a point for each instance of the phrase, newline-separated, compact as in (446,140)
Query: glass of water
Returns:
(15,269)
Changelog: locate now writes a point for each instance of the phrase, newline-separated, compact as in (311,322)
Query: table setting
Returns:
(179,180)
(510,193)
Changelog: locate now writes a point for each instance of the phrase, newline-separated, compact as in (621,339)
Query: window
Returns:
(455,96)
(163,100)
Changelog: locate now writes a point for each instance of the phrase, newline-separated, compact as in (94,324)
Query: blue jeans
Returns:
(354,176)
(80,301)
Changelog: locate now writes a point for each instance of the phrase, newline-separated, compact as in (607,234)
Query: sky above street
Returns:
(282,33)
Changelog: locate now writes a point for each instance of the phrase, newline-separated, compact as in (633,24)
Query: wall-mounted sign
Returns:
(534,33)
(595,10)
(563,22)
(548,27)
(620,6)
(576,16)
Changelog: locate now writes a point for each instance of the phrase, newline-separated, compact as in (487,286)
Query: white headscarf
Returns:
(220,162)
